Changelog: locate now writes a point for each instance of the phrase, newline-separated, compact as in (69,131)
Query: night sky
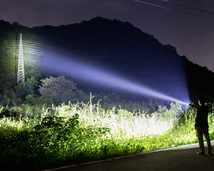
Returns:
(187,25)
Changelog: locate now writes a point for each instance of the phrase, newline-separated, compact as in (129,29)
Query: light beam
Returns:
(69,67)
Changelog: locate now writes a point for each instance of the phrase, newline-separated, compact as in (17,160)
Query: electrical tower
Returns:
(21,73)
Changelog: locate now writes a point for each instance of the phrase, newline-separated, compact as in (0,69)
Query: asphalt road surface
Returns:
(183,158)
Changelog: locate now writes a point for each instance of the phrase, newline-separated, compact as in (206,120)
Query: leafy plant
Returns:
(59,89)
(43,137)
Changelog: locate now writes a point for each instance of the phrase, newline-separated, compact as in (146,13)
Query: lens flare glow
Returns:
(66,66)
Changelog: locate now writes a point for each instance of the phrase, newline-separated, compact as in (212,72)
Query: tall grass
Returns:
(44,137)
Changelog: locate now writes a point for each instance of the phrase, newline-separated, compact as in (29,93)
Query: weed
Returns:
(44,137)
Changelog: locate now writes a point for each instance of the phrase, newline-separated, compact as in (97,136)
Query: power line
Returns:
(196,9)
(209,4)
(184,12)
(151,4)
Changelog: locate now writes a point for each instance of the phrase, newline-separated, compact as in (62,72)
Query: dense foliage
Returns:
(41,137)
(58,90)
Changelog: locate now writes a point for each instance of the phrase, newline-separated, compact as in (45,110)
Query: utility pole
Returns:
(21,73)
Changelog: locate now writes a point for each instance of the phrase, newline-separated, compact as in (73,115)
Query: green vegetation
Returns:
(37,129)
(45,137)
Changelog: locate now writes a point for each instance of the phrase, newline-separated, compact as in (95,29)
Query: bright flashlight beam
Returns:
(65,66)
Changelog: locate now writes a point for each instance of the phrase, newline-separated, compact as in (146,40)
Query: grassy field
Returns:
(46,137)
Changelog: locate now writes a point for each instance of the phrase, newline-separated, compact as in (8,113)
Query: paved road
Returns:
(183,158)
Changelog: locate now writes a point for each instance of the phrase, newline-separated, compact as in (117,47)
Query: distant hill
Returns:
(118,47)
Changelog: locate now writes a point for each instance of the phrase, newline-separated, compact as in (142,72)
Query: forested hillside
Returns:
(117,46)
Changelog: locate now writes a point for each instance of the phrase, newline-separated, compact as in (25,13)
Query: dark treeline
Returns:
(111,44)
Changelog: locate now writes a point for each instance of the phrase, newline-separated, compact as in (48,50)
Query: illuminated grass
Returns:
(68,134)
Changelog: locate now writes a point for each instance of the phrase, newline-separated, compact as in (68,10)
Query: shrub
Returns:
(59,89)
(71,134)
(20,90)
(29,99)
(30,85)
